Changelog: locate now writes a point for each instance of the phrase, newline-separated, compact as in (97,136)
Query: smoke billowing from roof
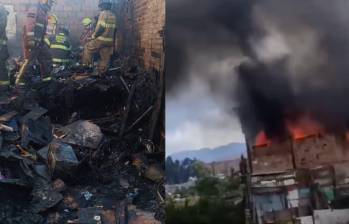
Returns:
(301,66)
(297,57)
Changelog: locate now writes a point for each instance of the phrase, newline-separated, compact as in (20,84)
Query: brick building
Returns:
(142,28)
(299,180)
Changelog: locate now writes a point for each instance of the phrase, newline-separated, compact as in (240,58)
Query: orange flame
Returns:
(261,139)
(303,127)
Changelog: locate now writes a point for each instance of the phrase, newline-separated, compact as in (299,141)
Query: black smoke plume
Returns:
(297,56)
(314,81)
(194,28)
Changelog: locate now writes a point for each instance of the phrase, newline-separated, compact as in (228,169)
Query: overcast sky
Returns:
(202,53)
(196,119)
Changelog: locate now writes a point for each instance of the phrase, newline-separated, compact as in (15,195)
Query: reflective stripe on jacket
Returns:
(60,48)
(106,27)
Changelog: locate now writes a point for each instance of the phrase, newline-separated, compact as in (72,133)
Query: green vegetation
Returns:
(212,200)
(179,172)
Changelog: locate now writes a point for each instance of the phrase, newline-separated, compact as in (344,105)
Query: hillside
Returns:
(222,153)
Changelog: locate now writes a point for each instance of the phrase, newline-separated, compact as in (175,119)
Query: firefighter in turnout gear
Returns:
(102,39)
(60,48)
(89,27)
(33,41)
(52,21)
(51,29)
(4,55)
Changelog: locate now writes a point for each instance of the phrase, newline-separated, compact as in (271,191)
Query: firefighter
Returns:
(33,41)
(4,55)
(102,39)
(60,48)
(52,21)
(89,26)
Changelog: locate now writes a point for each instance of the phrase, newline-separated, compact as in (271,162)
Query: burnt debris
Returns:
(70,150)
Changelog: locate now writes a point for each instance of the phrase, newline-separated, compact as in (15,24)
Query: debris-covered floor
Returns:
(78,150)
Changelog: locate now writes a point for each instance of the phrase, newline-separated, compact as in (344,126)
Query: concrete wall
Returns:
(141,36)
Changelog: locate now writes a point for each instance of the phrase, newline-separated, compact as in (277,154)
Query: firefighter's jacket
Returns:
(35,26)
(105,28)
(60,48)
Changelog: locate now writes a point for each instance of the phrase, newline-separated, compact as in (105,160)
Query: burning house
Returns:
(298,162)
(294,179)
(292,96)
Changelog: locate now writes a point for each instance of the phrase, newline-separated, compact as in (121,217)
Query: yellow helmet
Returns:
(52,19)
(86,21)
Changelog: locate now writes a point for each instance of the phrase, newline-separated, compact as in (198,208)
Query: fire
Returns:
(262,139)
(303,127)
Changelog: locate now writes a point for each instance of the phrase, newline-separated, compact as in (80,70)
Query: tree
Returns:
(212,207)
(179,172)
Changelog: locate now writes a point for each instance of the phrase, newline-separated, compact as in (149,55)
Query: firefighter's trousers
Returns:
(40,54)
(105,50)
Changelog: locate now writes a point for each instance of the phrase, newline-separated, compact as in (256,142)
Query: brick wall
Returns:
(141,35)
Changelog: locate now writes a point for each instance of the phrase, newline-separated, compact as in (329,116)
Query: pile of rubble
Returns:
(80,149)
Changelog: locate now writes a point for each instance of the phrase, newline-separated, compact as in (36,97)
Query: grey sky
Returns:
(197,118)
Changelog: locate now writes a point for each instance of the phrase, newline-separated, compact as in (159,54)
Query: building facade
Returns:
(299,180)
